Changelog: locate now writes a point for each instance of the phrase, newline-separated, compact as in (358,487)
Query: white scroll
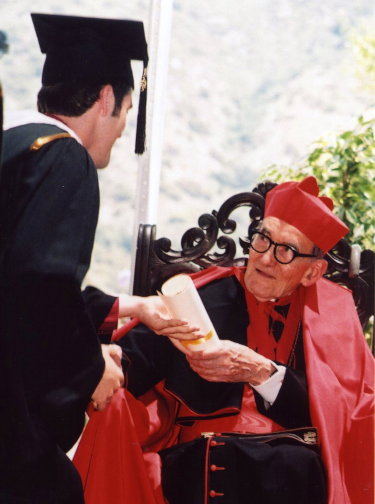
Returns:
(181,300)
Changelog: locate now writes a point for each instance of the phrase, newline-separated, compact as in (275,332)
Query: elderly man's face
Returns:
(267,279)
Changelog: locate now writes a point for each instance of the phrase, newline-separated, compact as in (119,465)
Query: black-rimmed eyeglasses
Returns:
(284,254)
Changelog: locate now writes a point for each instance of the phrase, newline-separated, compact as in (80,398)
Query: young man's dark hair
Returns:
(73,99)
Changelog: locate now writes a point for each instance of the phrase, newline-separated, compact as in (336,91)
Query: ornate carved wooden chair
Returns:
(156,260)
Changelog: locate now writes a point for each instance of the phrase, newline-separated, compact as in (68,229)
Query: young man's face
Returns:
(266,278)
(112,129)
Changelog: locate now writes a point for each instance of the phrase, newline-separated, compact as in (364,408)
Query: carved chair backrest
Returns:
(156,261)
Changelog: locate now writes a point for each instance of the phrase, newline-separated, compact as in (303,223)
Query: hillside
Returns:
(248,86)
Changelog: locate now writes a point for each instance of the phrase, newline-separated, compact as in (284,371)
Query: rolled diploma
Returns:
(181,299)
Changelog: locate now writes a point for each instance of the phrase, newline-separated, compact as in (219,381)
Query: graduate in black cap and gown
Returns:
(55,356)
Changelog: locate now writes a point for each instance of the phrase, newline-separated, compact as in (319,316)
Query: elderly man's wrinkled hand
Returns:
(230,362)
(112,379)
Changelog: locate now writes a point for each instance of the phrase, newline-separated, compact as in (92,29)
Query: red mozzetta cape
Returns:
(117,456)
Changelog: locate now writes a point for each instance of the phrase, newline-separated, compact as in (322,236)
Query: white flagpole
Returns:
(149,164)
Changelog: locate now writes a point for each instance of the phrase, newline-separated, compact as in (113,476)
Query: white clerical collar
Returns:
(23,117)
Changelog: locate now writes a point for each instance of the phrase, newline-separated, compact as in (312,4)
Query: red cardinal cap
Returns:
(299,204)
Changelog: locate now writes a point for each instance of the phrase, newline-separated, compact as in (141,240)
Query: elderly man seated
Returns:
(281,410)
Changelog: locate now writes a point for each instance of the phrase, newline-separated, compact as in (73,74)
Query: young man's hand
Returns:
(112,379)
(151,311)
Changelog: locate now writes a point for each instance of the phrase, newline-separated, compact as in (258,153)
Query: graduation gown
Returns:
(339,369)
(51,359)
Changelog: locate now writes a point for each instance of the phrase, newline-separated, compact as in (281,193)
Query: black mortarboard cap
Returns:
(93,51)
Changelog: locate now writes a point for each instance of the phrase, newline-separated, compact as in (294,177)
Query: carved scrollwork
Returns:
(195,242)
(255,200)
(225,259)
(202,238)
(249,199)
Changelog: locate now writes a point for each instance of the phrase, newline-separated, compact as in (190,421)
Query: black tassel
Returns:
(140,141)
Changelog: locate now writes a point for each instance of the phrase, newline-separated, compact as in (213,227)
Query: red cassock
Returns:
(117,456)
